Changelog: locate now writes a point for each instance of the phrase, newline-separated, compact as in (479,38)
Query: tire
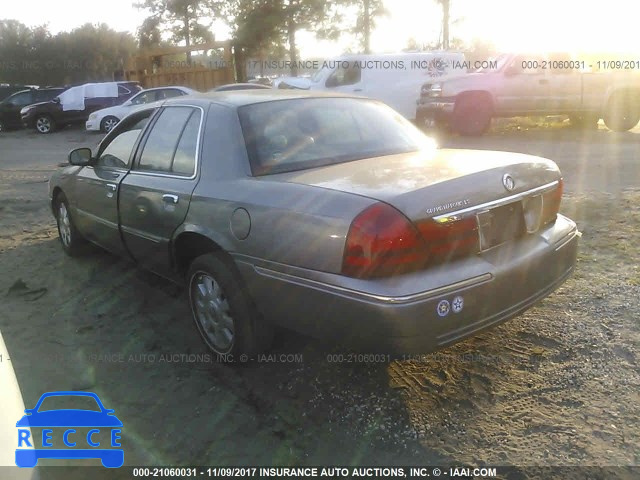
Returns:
(222,310)
(45,124)
(72,242)
(472,116)
(108,123)
(622,112)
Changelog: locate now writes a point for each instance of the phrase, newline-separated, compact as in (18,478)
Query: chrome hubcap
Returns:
(109,124)
(212,311)
(43,125)
(64,225)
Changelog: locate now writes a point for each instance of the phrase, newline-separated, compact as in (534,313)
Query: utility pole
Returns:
(445,24)
(367,26)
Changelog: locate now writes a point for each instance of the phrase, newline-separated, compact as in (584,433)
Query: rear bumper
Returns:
(393,316)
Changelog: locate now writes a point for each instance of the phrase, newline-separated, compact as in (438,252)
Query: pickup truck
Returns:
(531,85)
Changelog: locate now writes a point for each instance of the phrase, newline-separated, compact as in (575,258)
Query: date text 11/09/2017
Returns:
(580,65)
(309,472)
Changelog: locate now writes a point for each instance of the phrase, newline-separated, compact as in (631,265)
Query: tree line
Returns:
(259,29)
(32,55)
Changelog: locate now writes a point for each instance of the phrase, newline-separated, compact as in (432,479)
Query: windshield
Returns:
(289,135)
(316,77)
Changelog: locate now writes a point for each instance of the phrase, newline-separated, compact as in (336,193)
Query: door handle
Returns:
(357,89)
(169,198)
(112,186)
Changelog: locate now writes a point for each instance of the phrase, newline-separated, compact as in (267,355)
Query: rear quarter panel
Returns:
(292,224)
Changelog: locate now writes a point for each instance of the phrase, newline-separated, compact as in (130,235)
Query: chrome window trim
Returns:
(452,216)
(135,168)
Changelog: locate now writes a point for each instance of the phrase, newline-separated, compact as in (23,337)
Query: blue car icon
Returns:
(64,420)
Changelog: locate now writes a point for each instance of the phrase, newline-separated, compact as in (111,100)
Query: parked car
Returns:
(10,107)
(394,79)
(532,85)
(240,86)
(75,105)
(333,216)
(107,118)
(7,89)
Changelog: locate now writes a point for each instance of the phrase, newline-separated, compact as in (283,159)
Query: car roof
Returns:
(240,86)
(239,98)
(181,87)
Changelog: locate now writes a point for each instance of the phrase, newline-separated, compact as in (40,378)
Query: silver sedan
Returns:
(329,215)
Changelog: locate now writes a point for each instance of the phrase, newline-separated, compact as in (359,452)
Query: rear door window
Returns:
(46,95)
(145,97)
(184,161)
(171,145)
(169,93)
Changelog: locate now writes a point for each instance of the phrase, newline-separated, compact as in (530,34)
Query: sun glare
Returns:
(591,26)
(552,25)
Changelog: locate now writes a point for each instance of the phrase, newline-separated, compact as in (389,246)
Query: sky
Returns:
(558,25)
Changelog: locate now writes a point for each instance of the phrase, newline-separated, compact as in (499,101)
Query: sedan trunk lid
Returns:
(428,183)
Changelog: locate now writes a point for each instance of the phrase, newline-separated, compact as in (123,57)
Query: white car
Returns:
(107,118)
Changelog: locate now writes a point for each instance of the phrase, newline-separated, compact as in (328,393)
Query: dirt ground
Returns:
(559,385)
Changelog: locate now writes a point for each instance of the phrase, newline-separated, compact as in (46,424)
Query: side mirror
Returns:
(80,157)
(56,100)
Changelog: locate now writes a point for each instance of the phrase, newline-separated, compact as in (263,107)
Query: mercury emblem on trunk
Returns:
(508,182)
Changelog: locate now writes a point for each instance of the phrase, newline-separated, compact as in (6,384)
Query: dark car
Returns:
(6,90)
(47,116)
(10,107)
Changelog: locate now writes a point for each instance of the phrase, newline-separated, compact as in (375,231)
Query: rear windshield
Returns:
(289,135)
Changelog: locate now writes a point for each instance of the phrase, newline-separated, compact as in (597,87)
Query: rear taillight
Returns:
(382,242)
(450,240)
(551,203)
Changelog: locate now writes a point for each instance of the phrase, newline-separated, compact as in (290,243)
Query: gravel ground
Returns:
(559,385)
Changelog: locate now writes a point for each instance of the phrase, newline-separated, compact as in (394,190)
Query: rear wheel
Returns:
(623,111)
(71,240)
(227,320)
(44,124)
(472,115)
(108,123)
